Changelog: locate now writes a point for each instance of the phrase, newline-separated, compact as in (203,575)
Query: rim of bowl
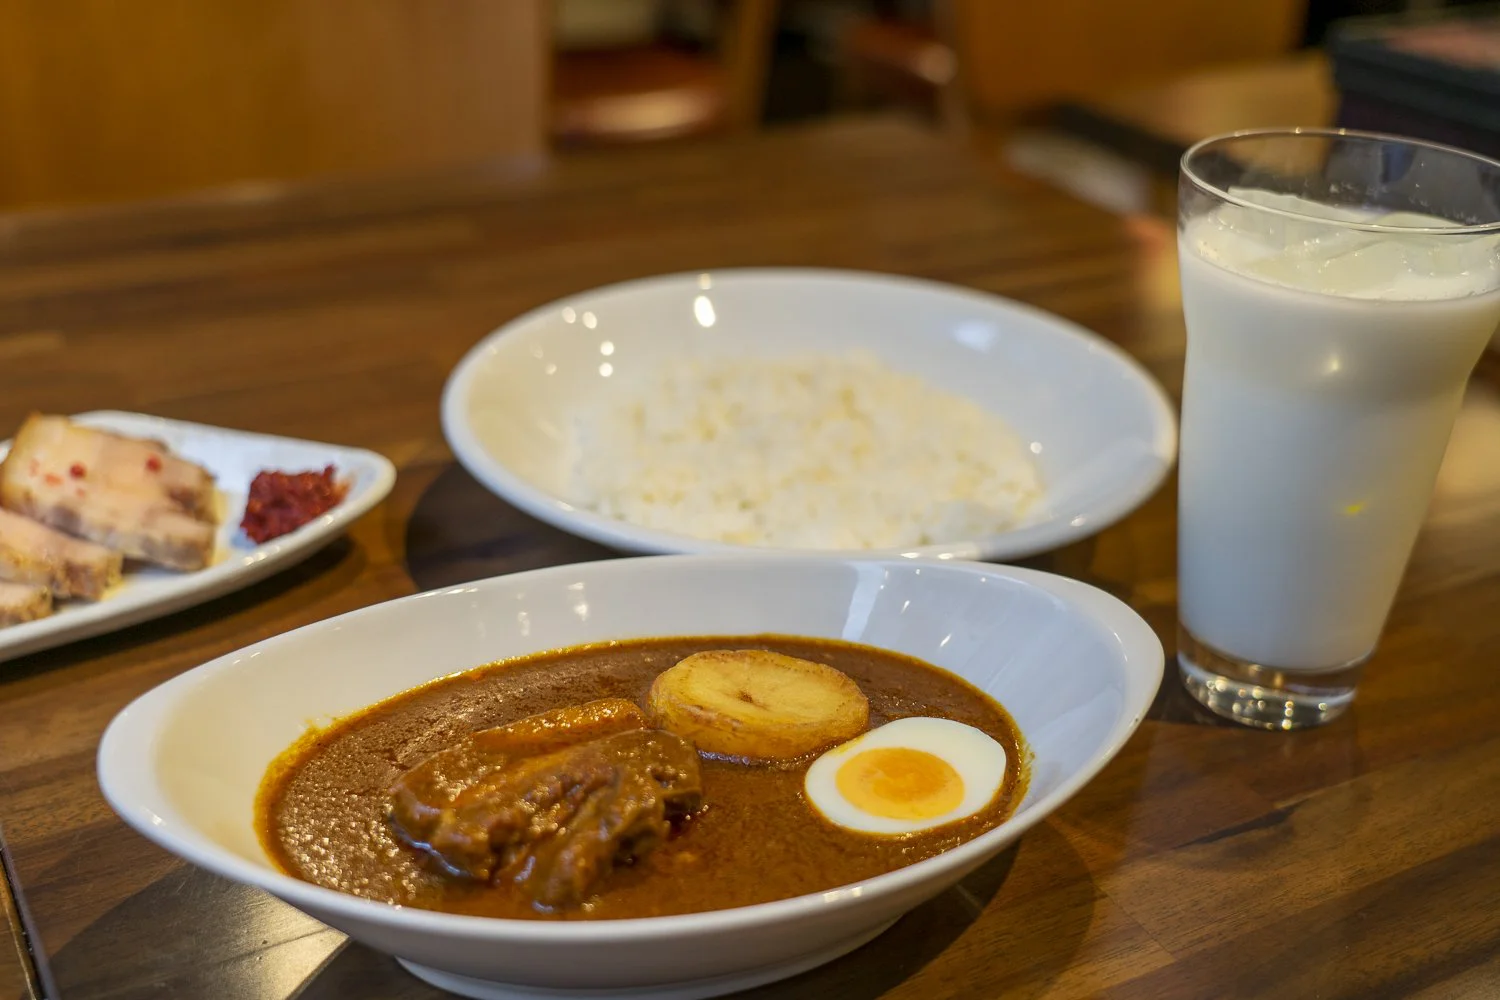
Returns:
(1320,132)
(1142,661)
(1019,542)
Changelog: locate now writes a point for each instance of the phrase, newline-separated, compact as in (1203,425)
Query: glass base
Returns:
(1261,696)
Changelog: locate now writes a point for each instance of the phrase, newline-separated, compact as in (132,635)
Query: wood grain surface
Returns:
(1357,861)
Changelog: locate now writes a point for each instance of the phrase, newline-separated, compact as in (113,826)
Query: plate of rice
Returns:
(796,410)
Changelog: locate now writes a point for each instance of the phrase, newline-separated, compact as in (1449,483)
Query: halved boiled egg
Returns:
(908,775)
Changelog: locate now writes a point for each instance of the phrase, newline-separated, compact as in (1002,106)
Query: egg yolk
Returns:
(900,783)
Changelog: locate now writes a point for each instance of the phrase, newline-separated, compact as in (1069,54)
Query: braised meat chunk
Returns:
(554,824)
(420,797)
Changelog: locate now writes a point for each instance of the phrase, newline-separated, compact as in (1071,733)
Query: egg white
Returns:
(975,755)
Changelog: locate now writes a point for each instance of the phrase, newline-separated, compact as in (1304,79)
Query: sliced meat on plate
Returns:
(78,483)
(32,553)
(136,466)
(20,602)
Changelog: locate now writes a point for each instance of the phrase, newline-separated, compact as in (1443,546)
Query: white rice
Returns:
(814,452)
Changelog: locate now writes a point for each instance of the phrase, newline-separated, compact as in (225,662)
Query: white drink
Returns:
(1324,370)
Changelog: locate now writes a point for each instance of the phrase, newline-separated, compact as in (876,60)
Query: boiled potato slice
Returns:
(757,705)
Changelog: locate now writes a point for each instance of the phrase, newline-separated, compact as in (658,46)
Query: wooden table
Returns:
(1362,860)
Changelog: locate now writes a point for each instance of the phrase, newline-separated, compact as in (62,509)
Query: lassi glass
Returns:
(1338,288)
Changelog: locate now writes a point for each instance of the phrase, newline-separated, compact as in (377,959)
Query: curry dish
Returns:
(559,786)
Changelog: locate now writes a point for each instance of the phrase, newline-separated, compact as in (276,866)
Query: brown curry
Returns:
(325,810)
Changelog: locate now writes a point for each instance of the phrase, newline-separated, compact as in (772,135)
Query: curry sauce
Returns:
(322,812)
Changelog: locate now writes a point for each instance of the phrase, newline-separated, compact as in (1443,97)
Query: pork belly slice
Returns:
(55,446)
(142,524)
(32,553)
(137,527)
(21,602)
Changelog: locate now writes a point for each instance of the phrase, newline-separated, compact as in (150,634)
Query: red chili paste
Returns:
(281,502)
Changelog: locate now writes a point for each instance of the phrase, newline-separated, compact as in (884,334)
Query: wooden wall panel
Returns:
(104,100)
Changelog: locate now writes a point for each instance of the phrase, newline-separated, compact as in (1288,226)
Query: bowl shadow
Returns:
(188,935)
(459,532)
(998,931)
(191,934)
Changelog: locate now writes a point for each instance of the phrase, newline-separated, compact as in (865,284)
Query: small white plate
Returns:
(1103,431)
(234,457)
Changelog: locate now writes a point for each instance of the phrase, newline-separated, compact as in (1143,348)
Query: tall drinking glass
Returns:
(1339,288)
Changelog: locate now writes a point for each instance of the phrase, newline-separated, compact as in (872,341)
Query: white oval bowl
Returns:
(1075,667)
(1103,430)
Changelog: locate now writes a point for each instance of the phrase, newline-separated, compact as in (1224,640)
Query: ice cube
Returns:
(1289,267)
(1411,220)
(1298,205)
(1454,256)
(1370,266)
(1339,262)
(1332,243)
(1307,221)
(1264,230)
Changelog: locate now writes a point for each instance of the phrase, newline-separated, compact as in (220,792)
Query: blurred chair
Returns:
(102,100)
(1014,57)
(910,59)
(1155,124)
(656,90)
(1006,60)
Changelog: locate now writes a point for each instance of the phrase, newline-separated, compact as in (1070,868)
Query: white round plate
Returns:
(1102,430)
